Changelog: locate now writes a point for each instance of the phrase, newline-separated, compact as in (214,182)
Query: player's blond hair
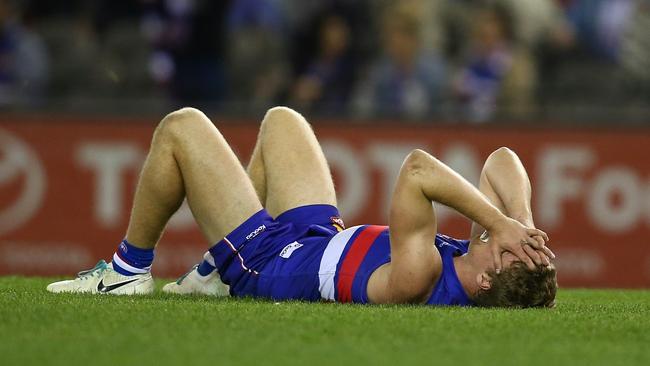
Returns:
(518,286)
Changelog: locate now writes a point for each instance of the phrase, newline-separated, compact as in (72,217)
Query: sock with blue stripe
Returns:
(130,260)
(207,265)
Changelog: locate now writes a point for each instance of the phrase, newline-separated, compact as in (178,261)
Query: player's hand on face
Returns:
(538,256)
(545,250)
(511,236)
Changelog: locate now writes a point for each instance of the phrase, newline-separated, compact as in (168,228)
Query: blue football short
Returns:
(278,258)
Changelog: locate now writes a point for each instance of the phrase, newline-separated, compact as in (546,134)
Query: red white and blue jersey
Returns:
(304,254)
(352,255)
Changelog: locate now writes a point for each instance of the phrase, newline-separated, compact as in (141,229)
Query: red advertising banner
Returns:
(66,188)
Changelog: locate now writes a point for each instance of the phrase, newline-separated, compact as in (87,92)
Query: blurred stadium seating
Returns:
(427,60)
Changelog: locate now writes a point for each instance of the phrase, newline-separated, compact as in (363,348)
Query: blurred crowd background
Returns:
(472,61)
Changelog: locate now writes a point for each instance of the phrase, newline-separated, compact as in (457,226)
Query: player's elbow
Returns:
(415,160)
(417,154)
(501,158)
(419,162)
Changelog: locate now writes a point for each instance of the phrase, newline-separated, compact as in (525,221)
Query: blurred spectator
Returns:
(429,15)
(635,45)
(496,73)
(187,56)
(523,59)
(74,49)
(98,56)
(600,24)
(325,85)
(258,69)
(23,60)
(539,21)
(305,22)
(404,81)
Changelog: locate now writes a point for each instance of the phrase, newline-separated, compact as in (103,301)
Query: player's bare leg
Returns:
(288,167)
(188,158)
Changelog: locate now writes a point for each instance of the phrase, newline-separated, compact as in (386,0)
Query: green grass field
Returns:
(588,327)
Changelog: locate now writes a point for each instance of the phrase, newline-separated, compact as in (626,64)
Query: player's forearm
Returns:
(439,183)
(507,176)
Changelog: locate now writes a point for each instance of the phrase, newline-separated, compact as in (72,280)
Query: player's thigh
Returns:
(218,189)
(295,168)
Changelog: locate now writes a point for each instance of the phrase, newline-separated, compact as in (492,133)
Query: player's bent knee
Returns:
(182,122)
(283,118)
(184,118)
(281,111)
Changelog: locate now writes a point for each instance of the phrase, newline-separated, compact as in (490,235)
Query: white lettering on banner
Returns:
(562,173)
(355,192)
(579,263)
(557,180)
(465,160)
(388,158)
(20,161)
(561,177)
(603,210)
(178,257)
(355,171)
(109,161)
(182,219)
(27,256)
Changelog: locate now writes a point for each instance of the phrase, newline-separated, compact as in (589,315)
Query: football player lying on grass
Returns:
(277,234)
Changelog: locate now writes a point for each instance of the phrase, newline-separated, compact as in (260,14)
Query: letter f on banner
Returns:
(558,180)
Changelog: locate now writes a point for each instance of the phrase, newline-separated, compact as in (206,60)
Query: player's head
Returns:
(518,286)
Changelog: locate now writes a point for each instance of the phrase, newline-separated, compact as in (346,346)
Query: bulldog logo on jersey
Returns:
(338,223)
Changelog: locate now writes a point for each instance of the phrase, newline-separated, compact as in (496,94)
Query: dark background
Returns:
(470,61)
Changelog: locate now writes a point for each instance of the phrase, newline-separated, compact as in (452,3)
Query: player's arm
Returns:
(507,176)
(424,179)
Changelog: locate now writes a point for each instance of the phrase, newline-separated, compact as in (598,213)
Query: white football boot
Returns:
(103,279)
(193,283)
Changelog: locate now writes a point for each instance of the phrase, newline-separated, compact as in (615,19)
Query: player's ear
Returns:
(484,281)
